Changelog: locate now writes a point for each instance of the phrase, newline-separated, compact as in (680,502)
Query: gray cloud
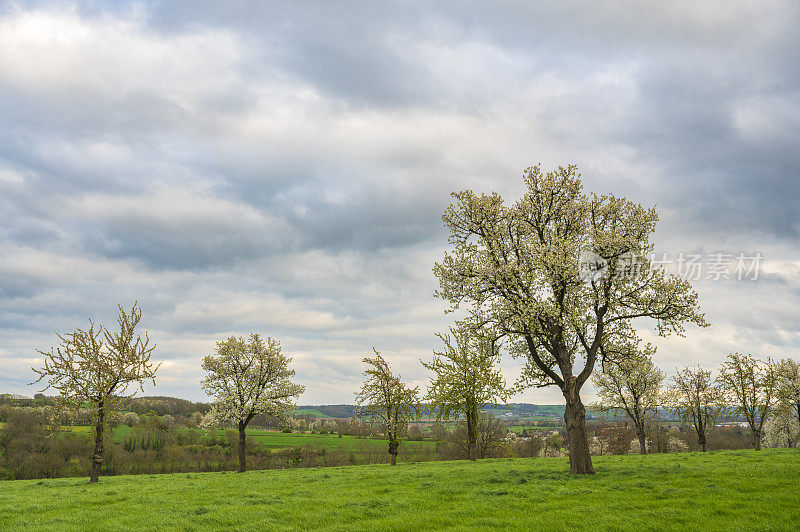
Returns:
(283,167)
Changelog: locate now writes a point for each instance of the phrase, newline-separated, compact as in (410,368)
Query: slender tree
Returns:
(249,377)
(386,399)
(751,385)
(697,399)
(559,272)
(98,366)
(789,386)
(632,382)
(467,378)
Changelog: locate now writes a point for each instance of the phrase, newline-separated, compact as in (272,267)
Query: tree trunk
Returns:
(642,442)
(757,440)
(97,455)
(472,436)
(242,443)
(701,438)
(580,461)
(393,445)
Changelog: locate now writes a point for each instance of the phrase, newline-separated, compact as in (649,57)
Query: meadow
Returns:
(272,439)
(724,490)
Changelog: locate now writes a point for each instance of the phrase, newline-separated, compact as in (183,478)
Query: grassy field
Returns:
(278,440)
(309,411)
(726,490)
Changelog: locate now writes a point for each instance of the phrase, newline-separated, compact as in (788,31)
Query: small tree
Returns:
(631,382)
(98,367)
(697,399)
(246,378)
(789,386)
(385,398)
(467,379)
(130,419)
(782,428)
(751,384)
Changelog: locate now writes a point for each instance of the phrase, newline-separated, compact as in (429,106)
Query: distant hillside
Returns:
(160,405)
(517,409)
(164,405)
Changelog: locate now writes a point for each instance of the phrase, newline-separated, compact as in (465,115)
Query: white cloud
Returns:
(58,52)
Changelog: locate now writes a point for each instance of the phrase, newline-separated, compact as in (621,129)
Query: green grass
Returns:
(120,432)
(308,411)
(275,439)
(726,490)
(279,440)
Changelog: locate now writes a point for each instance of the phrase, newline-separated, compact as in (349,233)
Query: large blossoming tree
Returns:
(518,268)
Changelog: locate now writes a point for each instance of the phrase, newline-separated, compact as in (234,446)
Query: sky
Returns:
(282,168)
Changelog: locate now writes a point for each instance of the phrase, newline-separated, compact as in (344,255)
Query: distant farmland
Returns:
(516,409)
(272,439)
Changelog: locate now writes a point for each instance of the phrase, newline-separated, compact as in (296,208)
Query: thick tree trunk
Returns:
(701,438)
(580,461)
(642,442)
(242,449)
(756,439)
(97,455)
(393,446)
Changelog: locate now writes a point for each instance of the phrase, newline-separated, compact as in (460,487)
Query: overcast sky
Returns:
(282,168)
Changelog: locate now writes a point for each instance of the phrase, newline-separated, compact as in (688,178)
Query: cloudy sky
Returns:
(282,168)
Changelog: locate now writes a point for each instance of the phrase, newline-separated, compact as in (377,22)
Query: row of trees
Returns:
(466,379)
(100,367)
(756,390)
(745,387)
(251,378)
(31,447)
(557,278)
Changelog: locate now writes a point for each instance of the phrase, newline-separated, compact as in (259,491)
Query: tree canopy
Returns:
(697,399)
(99,366)
(249,377)
(632,383)
(750,385)
(561,273)
(466,378)
(386,399)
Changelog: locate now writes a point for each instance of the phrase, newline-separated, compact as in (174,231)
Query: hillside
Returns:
(518,409)
(713,491)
